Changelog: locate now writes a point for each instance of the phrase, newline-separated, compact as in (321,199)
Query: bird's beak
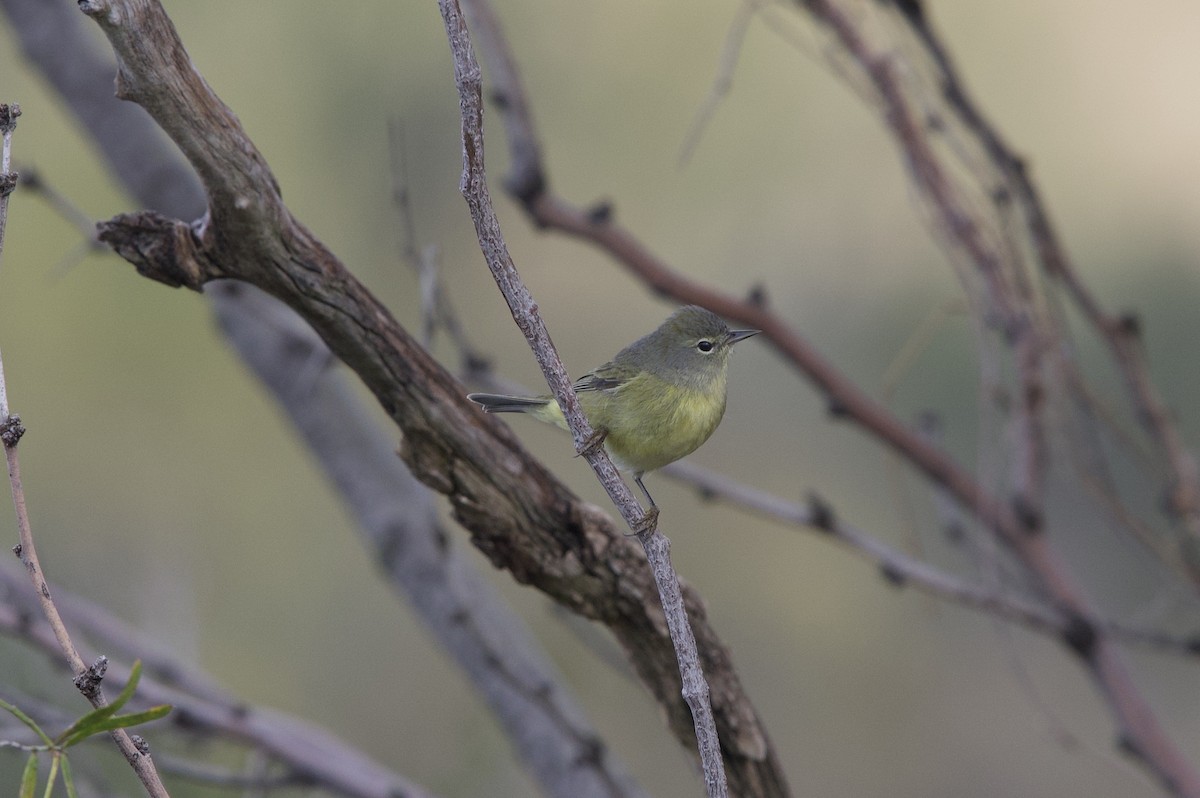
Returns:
(740,335)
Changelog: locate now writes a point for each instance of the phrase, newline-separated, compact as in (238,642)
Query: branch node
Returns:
(820,514)
(8,117)
(893,575)
(89,681)
(525,186)
(161,248)
(477,366)
(1080,636)
(837,408)
(8,183)
(1027,516)
(601,212)
(11,431)
(1128,746)
(499,98)
(911,9)
(1129,324)
(757,296)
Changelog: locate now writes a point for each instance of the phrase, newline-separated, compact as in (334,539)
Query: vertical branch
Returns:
(474,189)
(87,679)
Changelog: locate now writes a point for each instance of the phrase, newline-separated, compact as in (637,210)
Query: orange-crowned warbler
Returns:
(658,400)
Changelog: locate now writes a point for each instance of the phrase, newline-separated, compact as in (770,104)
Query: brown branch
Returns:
(1121,332)
(396,514)
(1018,523)
(1142,736)
(519,515)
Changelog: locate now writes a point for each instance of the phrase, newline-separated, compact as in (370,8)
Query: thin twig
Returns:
(468,78)
(214,776)
(517,512)
(722,83)
(87,680)
(437,312)
(894,565)
(292,741)
(398,518)
(1120,332)
(1142,734)
(1018,524)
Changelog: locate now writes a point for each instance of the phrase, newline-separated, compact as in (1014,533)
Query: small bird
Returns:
(658,400)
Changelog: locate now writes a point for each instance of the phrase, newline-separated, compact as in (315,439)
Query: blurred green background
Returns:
(164,485)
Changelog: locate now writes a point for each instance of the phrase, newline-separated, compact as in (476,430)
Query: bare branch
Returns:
(518,513)
(396,513)
(1142,735)
(1016,522)
(301,746)
(1121,332)
(474,187)
(11,432)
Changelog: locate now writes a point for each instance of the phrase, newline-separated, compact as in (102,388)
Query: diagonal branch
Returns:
(1121,332)
(474,188)
(396,513)
(518,514)
(306,749)
(1017,522)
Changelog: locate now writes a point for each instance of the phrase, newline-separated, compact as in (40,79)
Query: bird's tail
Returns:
(499,403)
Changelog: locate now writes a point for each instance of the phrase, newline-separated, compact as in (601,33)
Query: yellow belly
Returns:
(666,423)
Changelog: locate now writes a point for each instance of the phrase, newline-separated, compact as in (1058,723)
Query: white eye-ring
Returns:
(705,345)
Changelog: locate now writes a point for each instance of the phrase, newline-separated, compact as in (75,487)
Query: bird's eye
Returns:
(705,346)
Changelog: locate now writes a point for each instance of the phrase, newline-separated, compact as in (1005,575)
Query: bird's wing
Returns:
(608,377)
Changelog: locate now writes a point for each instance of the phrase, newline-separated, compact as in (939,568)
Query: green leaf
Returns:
(53,777)
(28,721)
(108,724)
(92,722)
(29,777)
(135,675)
(84,727)
(68,779)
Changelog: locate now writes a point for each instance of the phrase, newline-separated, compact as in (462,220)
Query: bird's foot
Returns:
(646,525)
(593,442)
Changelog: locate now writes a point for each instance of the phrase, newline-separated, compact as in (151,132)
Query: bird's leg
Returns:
(650,518)
(649,498)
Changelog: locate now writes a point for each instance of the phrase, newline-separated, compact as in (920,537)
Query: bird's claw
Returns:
(593,442)
(647,524)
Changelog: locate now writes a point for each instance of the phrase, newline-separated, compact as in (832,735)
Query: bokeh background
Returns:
(164,484)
